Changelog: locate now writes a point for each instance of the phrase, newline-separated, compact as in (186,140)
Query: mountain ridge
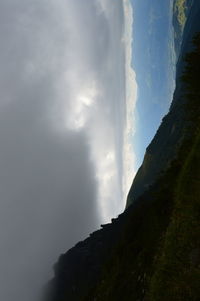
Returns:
(144,253)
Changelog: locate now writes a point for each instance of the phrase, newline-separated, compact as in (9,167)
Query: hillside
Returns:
(152,250)
(168,138)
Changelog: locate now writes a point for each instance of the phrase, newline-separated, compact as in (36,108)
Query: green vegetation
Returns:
(178,267)
(158,254)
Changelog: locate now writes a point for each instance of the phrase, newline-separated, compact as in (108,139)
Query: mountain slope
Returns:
(167,140)
(152,250)
(177,269)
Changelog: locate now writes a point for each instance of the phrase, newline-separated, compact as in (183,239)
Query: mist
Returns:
(62,123)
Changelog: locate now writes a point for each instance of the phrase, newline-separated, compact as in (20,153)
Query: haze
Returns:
(65,126)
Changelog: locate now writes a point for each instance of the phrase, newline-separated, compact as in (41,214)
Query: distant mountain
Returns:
(181,9)
(152,251)
(163,148)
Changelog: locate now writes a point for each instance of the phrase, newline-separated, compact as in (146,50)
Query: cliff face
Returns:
(152,250)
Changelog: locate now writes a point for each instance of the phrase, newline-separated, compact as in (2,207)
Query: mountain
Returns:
(167,140)
(181,9)
(152,250)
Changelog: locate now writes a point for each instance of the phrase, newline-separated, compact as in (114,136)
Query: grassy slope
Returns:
(177,270)
(158,255)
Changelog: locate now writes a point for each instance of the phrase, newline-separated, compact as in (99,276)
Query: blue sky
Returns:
(151,60)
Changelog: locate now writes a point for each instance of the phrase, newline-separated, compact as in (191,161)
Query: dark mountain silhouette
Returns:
(152,250)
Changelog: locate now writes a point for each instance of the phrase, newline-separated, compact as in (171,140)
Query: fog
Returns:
(62,121)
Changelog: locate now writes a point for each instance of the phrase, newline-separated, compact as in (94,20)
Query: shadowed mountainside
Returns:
(152,250)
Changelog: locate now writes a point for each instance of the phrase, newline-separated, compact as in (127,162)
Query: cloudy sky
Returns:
(67,94)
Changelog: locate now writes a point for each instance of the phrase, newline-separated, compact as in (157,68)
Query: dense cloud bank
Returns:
(62,115)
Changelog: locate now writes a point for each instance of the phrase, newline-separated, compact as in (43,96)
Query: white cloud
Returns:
(65,123)
(131,97)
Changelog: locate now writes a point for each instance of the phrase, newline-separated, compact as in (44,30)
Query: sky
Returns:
(67,99)
(154,61)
